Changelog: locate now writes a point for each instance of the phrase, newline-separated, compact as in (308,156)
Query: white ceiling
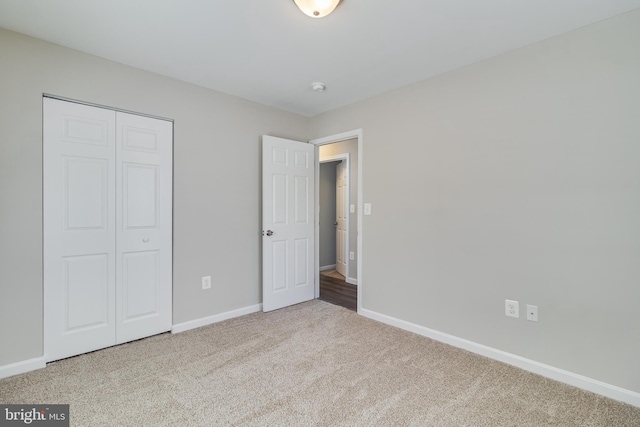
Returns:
(269,52)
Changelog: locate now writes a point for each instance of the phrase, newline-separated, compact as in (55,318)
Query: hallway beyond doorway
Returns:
(335,290)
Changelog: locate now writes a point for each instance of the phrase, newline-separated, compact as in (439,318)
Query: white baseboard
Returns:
(192,324)
(22,367)
(576,380)
(327,267)
(351,281)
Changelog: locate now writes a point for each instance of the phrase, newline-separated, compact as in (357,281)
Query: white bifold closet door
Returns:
(107,227)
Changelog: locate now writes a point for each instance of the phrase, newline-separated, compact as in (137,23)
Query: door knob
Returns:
(269,233)
(335,223)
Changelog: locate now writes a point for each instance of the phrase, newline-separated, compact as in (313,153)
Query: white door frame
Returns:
(356,133)
(346,158)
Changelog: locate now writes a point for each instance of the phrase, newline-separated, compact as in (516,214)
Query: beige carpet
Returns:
(310,364)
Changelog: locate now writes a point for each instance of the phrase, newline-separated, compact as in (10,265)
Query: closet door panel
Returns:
(144,218)
(79,228)
(140,196)
(86,291)
(140,278)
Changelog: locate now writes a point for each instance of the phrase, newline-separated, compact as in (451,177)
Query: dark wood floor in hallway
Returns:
(334,289)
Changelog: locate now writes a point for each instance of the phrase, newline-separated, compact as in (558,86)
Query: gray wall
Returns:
(216,180)
(327,214)
(349,146)
(517,177)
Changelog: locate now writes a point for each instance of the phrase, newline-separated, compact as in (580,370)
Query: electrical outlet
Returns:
(352,255)
(511,308)
(532,313)
(206,282)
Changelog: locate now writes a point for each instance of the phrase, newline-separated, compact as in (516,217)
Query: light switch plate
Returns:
(367,208)
(352,209)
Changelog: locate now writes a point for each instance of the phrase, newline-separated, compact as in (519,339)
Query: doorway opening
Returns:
(339,208)
(337,285)
(334,214)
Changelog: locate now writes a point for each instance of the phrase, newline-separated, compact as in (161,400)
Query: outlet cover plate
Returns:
(511,308)
(206,282)
(532,312)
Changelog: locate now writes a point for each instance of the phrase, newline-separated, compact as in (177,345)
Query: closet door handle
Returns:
(145,240)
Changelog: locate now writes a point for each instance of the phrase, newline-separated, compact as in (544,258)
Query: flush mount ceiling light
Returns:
(316,8)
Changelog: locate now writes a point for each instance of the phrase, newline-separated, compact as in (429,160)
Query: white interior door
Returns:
(144,218)
(341,217)
(79,228)
(107,227)
(288,215)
